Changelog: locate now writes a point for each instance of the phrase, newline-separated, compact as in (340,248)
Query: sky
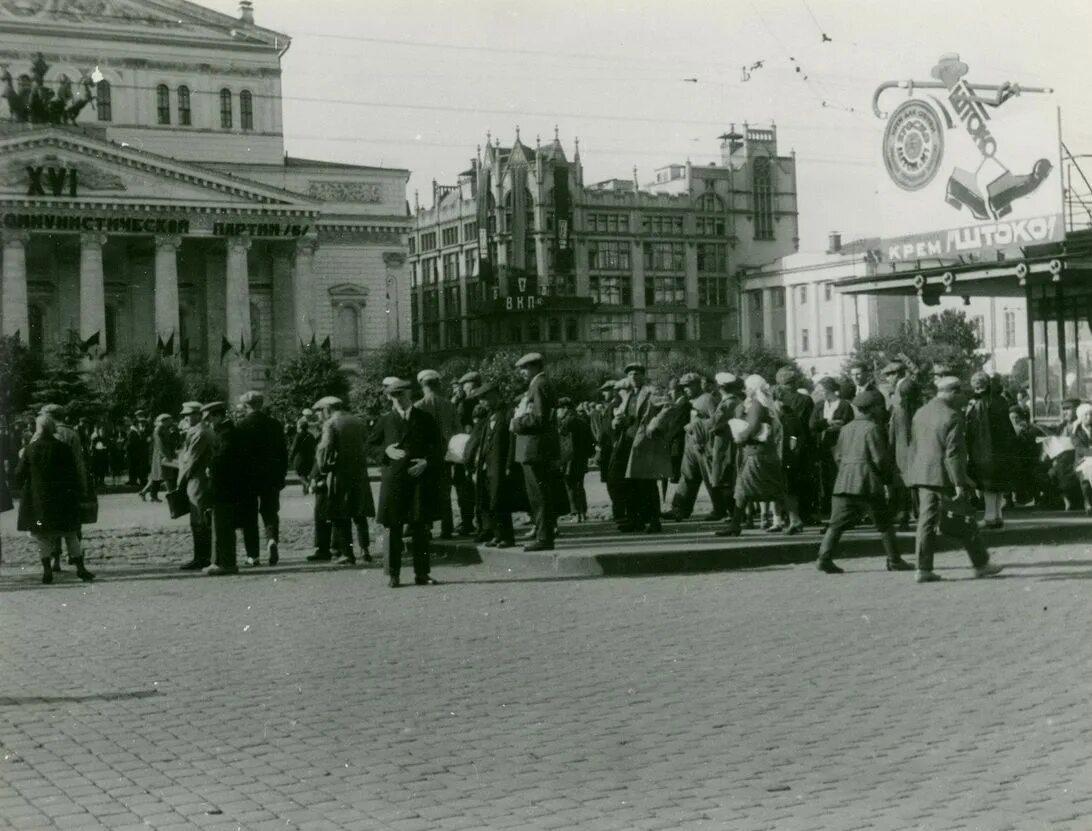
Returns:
(417,84)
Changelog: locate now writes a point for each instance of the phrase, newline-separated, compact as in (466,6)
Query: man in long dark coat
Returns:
(646,456)
(577,446)
(443,412)
(537,449)
(226,479)
(412,454)
(266,454)
(494,474)
(342,457)
(902,402)
(193,479)
(603,433)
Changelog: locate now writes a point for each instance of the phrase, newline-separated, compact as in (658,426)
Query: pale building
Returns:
(151,204)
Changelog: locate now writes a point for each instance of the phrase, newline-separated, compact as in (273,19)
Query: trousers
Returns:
(574,484)
(536,478)
(201,529)
(396,545)
(846,511)
(464,495)
(693,473)
(929,514)
(267,505)
(223,533)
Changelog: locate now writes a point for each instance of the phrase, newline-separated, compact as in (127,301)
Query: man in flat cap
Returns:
(602,416)
(68,436)
(576,447)
(193,479)
(938,471)
(226,476)
(443,412)
(830,415)
(496,477)
(642,456)
(537,448)
(697,453)
(412,453)
(864,471)
(722,471)
(797,458)
(461,477)
(861,374)
(903,401)
(262,444)
(342,461)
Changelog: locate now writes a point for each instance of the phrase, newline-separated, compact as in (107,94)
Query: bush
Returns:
(128,383)
(397,358)
(204,389)
(763,360)
(947,339)
(19,370)
(63,382)
(300,381)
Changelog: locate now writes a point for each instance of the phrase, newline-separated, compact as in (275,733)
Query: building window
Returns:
(709,226)
(608,256)
(711,327)
(665,256)
(662,225)
(163,104)
(805,345)
(779,298)
(533,332)
(572,330)
(762,185)
(554,329)
(612,290)
(803,294)
(713,291)
(225,109)
(246,110)
(712,257)
(1010,328)
(470,263)
(453,306)
(470,232)
(710,203)
(610,327)
(184,106)
(102,101)
(661,327)
(665,291)
(450,236)
(608,223)
(979,324)
(828,291)
(428,241)
(36,324)
(453,334)
(830,338)
(451,266)
(413,245)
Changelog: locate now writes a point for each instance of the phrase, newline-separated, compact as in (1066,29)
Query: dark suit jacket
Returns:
(825,435)
(402,497)
(577,444)
(51,488)
(261,438)
(342,455)
(494,461)
(227,465)
(938,448)
(863,459)
(536,429)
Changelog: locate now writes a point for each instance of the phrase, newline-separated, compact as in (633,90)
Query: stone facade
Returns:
(168,216)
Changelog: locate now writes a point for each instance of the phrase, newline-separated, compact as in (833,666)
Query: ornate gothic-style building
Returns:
(521,253)
(147,202)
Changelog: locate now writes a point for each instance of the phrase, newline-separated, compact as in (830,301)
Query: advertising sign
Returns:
(968,168)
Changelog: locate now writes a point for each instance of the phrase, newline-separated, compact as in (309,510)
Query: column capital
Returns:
(89,239)
(394,259)
(306,246)
(168,241)
(14,237)
(239,243)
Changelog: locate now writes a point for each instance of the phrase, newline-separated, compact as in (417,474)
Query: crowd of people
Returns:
(769,456)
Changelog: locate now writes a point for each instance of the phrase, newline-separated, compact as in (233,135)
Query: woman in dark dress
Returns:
(759,477)
(49,507)
(990,446)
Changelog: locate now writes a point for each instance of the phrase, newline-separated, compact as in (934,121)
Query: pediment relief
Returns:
(348,291)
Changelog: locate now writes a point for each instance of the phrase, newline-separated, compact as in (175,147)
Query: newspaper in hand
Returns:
(1084,469)
(1055,446)
(739,425)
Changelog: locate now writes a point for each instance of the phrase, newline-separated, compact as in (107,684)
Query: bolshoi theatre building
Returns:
(147,202)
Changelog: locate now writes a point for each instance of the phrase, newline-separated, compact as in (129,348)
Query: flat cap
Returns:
(483,391)
(868,400)
(633,367)
(689,378)
(608,386)
(1072,403)
(471,378)
(784,376)
(894,366)
(827,383)
(51,409)
(159,419)
(214,408)
(399,385)
(390,379)
(427,375)
(564,401)
(326,401)
(725,379)
(530,358)
(947,382)
(190,407)
(140,414)
(252,398)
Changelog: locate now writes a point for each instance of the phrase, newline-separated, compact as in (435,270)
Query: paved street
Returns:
(765,699)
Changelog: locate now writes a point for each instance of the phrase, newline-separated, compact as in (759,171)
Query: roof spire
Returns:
(517,132)
(576,153)
(555,133)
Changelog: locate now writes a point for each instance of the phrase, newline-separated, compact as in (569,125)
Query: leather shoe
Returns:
(425,581)
(394,582)
(219,571)
(898,564)
(630,527)
(927,577)
(502,544)
(192,565)
(345,560)
(654,528)
(253,561)
(539,546)
(274,553)
(729,531)
(828,567)
(320,557)
(366,557)
(988,570)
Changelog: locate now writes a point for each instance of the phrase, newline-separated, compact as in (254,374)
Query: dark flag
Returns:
(326,344)
(486,268)
(225,347)
(85,346)
(168,347)
(313,342)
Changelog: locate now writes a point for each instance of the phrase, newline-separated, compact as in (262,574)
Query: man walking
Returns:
(342,458)
(193,479)
(443,413)
(902,402)
(647,457)
(70,437)
(697,453)
(226,477)
(536,448)
(412,456)
(938,472)
(261,438)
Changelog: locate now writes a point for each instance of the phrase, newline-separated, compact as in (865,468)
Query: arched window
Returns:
(347,331)
(762,188)
(710,203)
(246,110)
(102,101)
(225,109)
(163,104)
(255,331)
(36,324)
(184,106)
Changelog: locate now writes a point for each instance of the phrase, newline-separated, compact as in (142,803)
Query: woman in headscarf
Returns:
(759,477)
(50,504)
(1082,450)
(990,446)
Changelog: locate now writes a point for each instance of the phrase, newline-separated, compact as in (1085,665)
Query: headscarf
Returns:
(758,390)
(1082,409)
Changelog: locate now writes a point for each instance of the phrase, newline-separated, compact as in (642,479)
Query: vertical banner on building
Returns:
(486,267)
(563,212)
(971,167)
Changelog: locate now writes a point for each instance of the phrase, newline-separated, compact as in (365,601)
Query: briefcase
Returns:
(89,511)
(957,518)
(178,503)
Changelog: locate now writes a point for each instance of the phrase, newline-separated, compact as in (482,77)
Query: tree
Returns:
(759,359)
(204,389)
(62,382)
(397,359)
(303,379)
(948,339)
(139,381)
(19,369)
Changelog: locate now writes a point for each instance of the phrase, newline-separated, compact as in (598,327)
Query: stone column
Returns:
(769,336)
(303,291)
(818,336)
(393,261)
(792,336)
(745,334)
(16,320)
(238,315)
(92,293)
(842,338)
(166,291)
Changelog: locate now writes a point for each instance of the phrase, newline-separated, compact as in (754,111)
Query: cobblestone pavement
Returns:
(768,699)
